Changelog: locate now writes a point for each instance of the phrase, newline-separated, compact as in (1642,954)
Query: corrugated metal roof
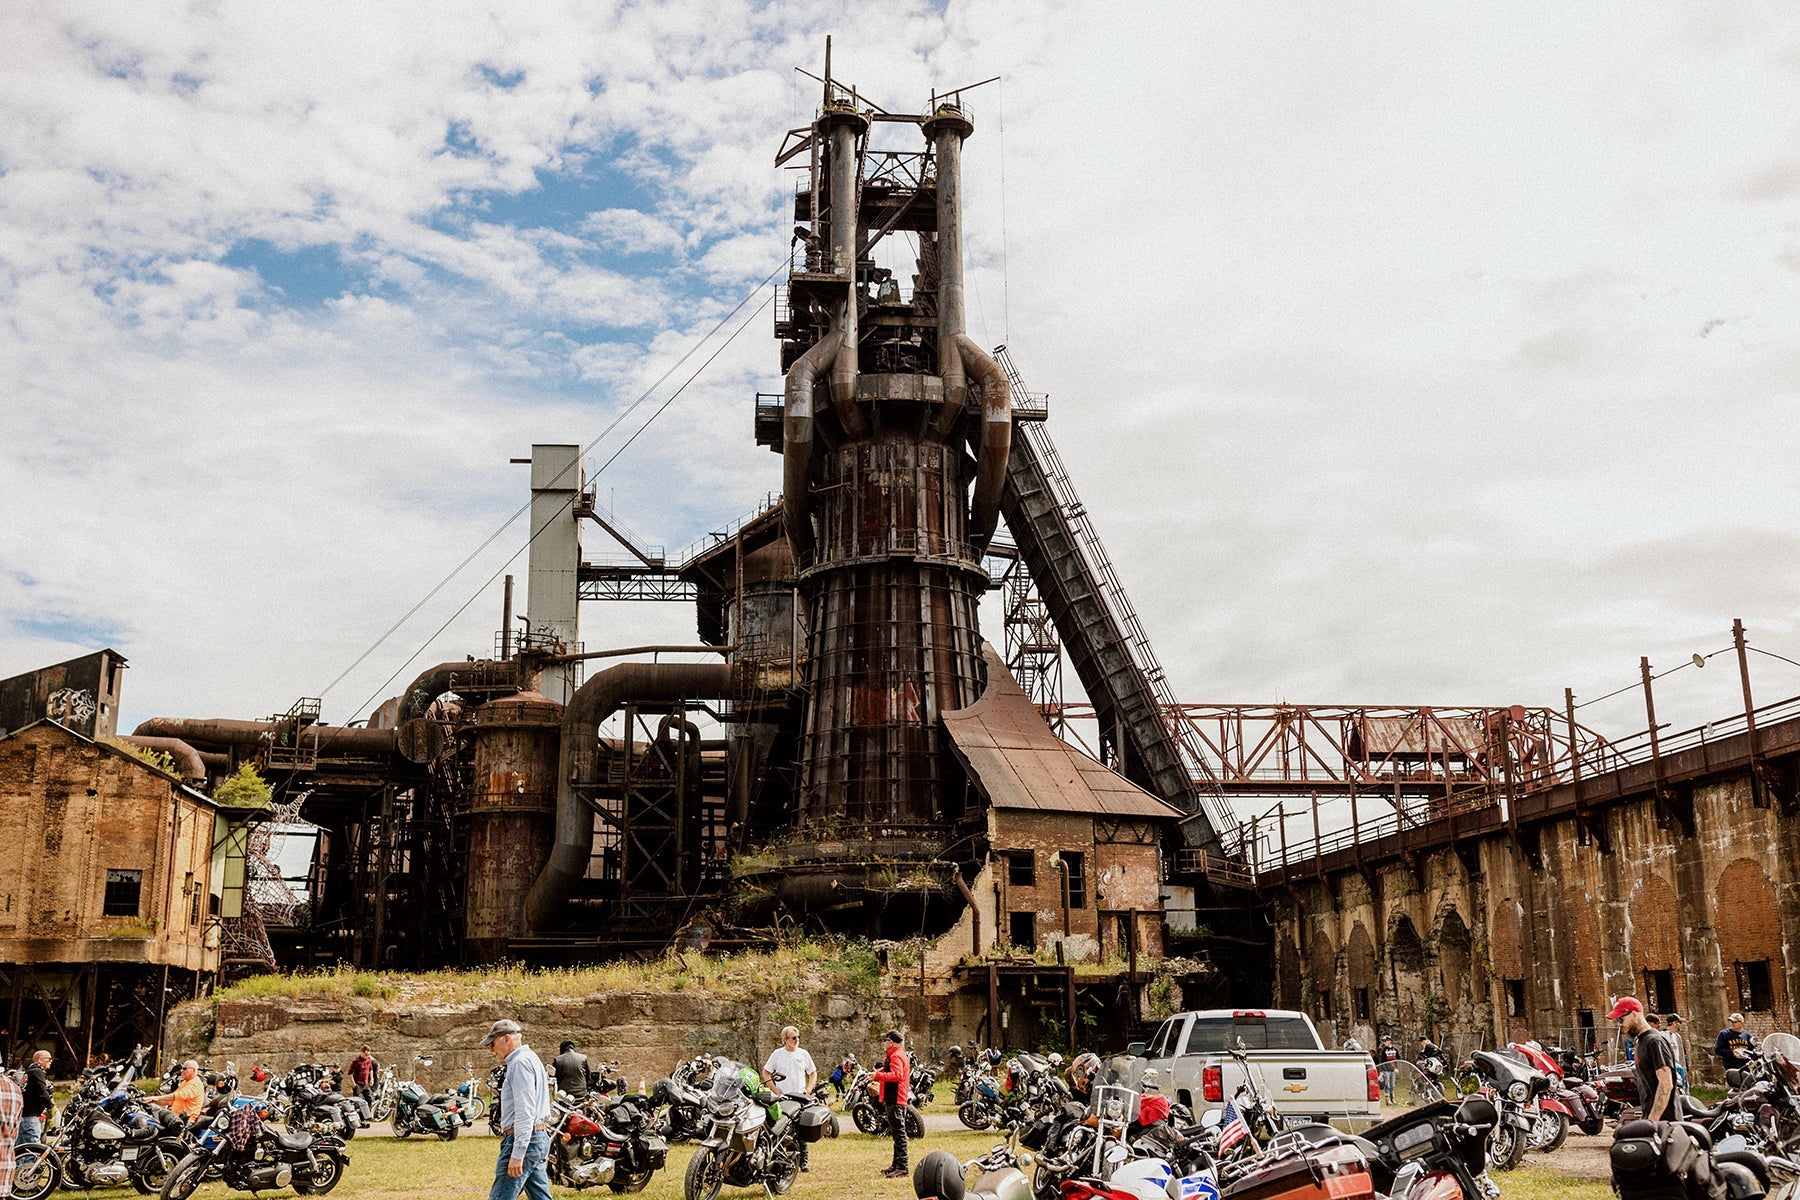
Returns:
(1019,764)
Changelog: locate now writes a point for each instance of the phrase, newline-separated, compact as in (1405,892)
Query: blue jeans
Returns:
(535,1181)
(31,1129)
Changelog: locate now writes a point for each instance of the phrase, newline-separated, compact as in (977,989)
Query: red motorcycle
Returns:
(1562,1104)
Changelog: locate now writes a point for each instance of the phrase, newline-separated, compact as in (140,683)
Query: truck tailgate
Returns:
(1314,1084)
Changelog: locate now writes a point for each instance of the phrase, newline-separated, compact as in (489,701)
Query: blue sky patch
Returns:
(306,277)
(76,631)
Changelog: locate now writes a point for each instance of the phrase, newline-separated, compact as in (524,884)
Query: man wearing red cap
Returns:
(1653,1059)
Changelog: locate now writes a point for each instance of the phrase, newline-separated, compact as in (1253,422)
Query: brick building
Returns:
(113,875)
(1508,937)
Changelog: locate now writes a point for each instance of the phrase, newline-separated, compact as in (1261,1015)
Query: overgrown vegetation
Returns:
(840,966)
(162,760)
(244,788)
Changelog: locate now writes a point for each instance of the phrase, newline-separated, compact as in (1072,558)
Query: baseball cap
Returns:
(1734,1017)
(1626,1004)
(500,1029)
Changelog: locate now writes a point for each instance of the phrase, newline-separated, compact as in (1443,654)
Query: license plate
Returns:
(1295,1122)
(128,1154)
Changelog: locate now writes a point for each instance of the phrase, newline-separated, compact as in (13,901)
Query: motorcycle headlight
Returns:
(1519,1091)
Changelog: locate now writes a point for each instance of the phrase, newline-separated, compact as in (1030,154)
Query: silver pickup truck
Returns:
(1305,1082)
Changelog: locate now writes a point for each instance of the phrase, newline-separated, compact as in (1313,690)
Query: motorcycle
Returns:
(418,1110)
(923,1080)
(748,1146)
(386,1096)
(316,1109)
(1559,1105)
(683,1108)
(248,1156)
(1678,1161)
(622,1149)
(939,1176)
(496,1081)
(1513,1086)
(107,1137)
(1436,1149)
(870,1115)
(468,1096)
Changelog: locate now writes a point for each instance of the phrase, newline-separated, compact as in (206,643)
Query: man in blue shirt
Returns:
(524,1115)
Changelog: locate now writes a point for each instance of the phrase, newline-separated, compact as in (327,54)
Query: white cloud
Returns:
(1374,339)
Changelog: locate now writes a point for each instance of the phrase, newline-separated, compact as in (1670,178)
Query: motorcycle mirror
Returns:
(1211,1119)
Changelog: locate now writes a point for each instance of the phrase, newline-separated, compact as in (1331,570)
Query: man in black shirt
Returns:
(1653,1059)
(37,1098)
(571,1067)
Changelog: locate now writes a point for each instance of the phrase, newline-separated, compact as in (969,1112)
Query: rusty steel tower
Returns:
(895,434)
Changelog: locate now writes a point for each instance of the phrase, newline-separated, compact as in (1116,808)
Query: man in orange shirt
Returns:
(188,1097)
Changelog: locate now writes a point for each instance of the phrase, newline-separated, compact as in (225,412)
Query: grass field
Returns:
(384,1168)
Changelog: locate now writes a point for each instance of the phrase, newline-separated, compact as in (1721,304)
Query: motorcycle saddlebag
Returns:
(1037,1134)
(1650,1162)
(1328,1173)
(810,1122)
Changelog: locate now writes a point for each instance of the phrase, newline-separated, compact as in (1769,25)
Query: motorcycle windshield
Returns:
(727,1084)
(1784,1044)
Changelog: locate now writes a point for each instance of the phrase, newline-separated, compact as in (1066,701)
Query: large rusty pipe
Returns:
(432,683)
(221,731)
(845,127)
(592,703)
(947,127)
(974,909)
(193,767)
(994,443)
(796,442)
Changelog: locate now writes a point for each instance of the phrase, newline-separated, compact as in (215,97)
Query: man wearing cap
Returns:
(1735,1045)
(1673,1030)
(1653,1060)
(525,1114)
(895,1081)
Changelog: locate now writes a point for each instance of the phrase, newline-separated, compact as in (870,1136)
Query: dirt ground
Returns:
(1580,1157)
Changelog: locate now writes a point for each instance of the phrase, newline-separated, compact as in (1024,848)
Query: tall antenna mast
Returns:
(827,99)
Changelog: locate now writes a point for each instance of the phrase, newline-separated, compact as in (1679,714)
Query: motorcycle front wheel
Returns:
(915,1123)
(182,1180)
(154,1165)
(477,1109)
(705,1176)
(868,1119)
(973,1116)
(1549,1133)
(324,1178)
(1505,1147)
(38,1171)
(790,1171)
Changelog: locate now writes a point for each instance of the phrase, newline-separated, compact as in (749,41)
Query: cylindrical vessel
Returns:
(512,816)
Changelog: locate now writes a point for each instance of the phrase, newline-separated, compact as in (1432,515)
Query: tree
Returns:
(244,788)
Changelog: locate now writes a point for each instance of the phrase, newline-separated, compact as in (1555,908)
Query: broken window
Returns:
(1077,864)
(1324,1004)
(1021,868)
(1659,991)
(1754,991)
(1023,934)
(122,892)
(1515,997)
(1361,998)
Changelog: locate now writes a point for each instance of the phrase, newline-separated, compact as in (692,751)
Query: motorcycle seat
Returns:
(292,1141)
(1699,1111)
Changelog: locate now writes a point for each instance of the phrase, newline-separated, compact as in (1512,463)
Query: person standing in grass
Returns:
(895,1082)
(12,1103)
(37,1098)
(525,1121)
(790,1072)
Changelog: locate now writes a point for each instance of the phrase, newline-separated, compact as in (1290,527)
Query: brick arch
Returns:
(1506,940)
(1748,923)
(1362,969)
(1456,954)
(1287,973)
(1586,978)
(1656,935)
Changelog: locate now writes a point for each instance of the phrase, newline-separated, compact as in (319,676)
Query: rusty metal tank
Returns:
(511,816)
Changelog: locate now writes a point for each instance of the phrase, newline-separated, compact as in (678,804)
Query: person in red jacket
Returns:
(895,1080)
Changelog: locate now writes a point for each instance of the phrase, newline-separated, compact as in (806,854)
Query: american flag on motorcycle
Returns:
(1234,1129)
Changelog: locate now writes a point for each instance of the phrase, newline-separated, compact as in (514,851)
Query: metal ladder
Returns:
(1105,639)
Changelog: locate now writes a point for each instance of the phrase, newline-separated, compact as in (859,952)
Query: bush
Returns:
(244,788)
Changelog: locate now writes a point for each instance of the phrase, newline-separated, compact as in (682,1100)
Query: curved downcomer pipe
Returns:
(994,445)
(193,767)
(591,704)
(796,442)
(219,731)
(431,684)
(845,126)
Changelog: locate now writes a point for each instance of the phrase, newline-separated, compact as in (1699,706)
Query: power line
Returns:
(526,507)
(487,583)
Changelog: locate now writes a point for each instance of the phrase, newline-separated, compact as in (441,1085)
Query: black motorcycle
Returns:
(1514,1087)
(620,1144)
(418,1110)
(496,1080)
(683,1107)
(1420,1151)
(236,1147)
(108,1137)
(315,1109)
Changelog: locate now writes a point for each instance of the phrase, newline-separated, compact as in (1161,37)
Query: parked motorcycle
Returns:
(1559,1104)
(752,1142)
(870,1115)
(1677,1161)
(496,1081)
(998,1176)
(248,1156)
(107,1137)
(621,1147)
(1514,1086)
(468,1096)
(1436,1149)
(314,1108)
(418,1110)
(683,1108)
(385,1097)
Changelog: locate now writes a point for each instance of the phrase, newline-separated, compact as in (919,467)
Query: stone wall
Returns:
(1481,943)
(648,1033)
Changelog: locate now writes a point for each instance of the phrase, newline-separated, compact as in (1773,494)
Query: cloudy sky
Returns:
(1403,353)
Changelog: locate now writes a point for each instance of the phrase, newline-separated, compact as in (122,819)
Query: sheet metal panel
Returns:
(1019,764)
